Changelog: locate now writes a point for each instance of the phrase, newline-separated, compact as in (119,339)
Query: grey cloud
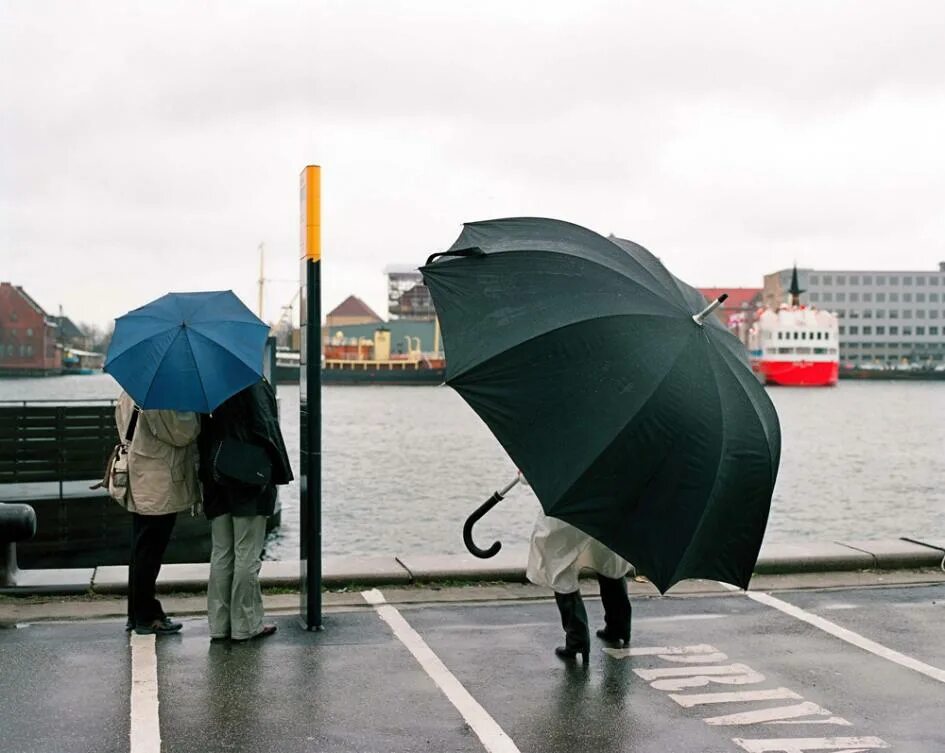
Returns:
(726,137)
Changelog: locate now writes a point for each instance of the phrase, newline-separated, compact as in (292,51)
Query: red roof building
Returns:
(739,301)
(28,335)
(352,310)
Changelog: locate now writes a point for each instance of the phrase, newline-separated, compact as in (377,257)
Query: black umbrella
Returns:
(633,414)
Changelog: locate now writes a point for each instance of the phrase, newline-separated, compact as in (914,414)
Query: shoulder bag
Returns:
(115,480)
(236,463)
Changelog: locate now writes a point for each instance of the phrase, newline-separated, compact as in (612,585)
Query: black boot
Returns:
(577,637)
(617,610)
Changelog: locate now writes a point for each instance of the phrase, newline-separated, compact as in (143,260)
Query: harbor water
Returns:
(403,466)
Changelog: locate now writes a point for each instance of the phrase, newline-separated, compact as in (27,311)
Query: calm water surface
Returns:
(403,466)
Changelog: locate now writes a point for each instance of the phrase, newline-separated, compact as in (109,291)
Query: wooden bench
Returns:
(50,453)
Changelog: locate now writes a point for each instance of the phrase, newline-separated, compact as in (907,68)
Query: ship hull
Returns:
(384,376)
(798,373)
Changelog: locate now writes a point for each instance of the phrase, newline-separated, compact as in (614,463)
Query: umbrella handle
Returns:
(471,251)
(474,517)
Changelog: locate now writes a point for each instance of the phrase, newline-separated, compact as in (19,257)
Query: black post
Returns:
(310,404)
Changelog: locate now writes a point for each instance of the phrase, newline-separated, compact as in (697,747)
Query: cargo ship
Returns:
(370,361)
(795,345)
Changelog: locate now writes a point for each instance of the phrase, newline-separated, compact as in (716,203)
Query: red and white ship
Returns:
(795,345)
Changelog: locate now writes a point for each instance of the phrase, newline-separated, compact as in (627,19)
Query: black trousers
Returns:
(149,537)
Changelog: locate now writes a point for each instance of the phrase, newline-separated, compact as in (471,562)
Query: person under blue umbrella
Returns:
(178,356)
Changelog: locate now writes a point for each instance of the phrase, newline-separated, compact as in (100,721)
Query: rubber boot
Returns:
(617,609)
(577,637)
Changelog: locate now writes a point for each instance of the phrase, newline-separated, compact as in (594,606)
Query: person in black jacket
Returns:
(238,510)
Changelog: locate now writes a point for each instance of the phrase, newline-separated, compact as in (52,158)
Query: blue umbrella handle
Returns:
(474,517)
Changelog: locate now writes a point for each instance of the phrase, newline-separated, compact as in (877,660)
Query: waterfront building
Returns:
(407,296)
(885,316)
(740,305)
(352,310)
(71,335)
(29,337)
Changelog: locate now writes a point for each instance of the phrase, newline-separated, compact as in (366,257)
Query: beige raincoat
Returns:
(558,551)
(162,464)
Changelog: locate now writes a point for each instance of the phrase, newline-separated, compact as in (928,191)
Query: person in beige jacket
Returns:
(162,481)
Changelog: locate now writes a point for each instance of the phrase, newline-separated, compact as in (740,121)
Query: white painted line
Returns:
(145,722)
(849,636)
(493,737)
(804,744)
(780,715)
(741,696)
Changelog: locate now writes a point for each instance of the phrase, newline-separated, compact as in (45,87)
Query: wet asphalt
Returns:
(356,688)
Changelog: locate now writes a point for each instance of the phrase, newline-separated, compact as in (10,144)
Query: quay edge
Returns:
(911,552)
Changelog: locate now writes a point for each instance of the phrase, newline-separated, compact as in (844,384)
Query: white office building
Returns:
(885,316)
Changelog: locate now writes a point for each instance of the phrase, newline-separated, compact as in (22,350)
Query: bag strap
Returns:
(129,435)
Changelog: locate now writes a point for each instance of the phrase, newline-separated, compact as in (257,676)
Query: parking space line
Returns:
(145,736)
(844,634)
(493,737)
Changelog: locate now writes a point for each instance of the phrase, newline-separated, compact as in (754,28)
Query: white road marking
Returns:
(493,737)
(741,696)
(802,745)
(844,634)
(465,628)
(145,722)
(679,678)
(779,715)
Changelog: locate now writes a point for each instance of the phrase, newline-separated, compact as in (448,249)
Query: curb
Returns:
(774,559)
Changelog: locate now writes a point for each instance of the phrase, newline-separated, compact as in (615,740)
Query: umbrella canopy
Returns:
(187,351)
(631,420)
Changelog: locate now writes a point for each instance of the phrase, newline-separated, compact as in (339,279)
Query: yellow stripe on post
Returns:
(311,213)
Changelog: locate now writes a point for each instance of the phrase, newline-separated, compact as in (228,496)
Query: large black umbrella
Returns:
(634,417)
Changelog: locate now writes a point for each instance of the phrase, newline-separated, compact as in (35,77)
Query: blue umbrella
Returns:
(187,351)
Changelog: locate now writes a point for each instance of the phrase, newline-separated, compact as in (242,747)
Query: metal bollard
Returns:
(17,523)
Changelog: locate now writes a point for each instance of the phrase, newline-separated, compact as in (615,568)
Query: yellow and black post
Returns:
(310,400)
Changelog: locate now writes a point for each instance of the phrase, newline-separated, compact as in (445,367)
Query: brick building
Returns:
(29,337)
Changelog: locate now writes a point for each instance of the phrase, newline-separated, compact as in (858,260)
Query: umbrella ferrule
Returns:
(700,317)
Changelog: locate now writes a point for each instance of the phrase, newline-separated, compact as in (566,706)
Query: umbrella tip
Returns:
(700,317)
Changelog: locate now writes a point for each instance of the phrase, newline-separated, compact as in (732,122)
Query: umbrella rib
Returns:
(727,356)
(206,301)
(193,358)
(160,360)
(199,330)
(715,480)
(661,292)
(143,338)
(485,226)
(453,377)
(656,388)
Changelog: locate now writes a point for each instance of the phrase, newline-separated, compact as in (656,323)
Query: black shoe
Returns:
(129,626)
(563,652)
(159,627)
(612,636)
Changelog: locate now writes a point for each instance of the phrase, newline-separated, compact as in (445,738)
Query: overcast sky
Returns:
(147,147)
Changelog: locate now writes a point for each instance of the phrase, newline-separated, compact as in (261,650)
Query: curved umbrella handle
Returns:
(471,251)
(474,517)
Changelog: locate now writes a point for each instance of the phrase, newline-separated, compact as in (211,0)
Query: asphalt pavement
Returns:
(812,669)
